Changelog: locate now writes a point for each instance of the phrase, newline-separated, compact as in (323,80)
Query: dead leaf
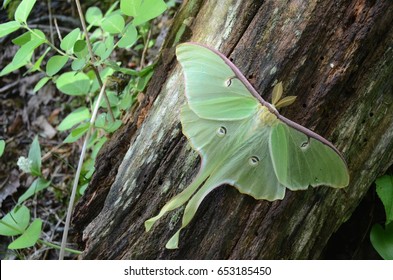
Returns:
(43,124)
(15,126)
(9,186)
(53,117)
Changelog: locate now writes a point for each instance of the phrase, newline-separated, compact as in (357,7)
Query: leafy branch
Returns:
(90,56)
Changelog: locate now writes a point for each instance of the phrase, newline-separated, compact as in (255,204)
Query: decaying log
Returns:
(336,56)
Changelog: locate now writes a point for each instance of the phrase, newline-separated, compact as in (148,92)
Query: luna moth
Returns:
(242,140)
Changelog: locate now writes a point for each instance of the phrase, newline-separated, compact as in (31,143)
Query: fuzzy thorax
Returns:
(266,116)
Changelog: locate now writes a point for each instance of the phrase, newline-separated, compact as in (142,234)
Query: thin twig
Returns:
(52,151)
(52,39)
(142,64)
(50,244)
(82,19)
(66,20)
(58,30)
(7,87)
(46,28)
(78,172)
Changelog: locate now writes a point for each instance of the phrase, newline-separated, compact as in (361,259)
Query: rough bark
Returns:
(336,56)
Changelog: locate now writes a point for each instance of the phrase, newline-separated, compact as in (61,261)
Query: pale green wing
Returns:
(213,140)
(250,169)
(240,156)
(213,89)
(300,160)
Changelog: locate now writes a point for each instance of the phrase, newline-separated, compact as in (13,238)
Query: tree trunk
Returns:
(336,56)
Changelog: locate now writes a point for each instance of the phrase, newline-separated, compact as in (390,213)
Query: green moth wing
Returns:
(211,90)
(300,160)
(242,140)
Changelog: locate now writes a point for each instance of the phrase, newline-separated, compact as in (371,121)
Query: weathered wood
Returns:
(337,57)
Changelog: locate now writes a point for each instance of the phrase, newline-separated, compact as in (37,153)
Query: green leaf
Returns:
(109,44)
(145,71)
(80,49)
(113,24)
(77,133)
(103,51)
(142,81)
(126,101)
(38,185)
(78,64)
(55,63)
(41,83)
(129,37)
(88,168)
(83,188)
(100,120)
(124,70)
(130,7)
(2,147)
(5,3)
(142,11)
(113,98)
(112,8)
(29,237)
(73,83)
(67,44)
(38,36)
(37,64)
(153,9)
(385,193)
(74,118)
(97,147)
(94,16)
(97,35)
(382,240)
(112,127)
(35,157)
(109,126)
(93,139)
(90,173)
(8,27)
(23,10)
(15,222)
(18,62)
(22,39)
(99,48)
(24,54)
